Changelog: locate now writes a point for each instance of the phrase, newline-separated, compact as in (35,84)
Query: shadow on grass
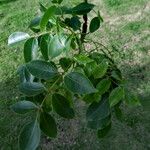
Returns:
(2,2)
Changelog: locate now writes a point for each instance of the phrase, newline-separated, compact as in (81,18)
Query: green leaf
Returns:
(57,1)
(42,69)
(94,24)
(42,8)
(48,125)
(132,100)
(82,59)
(90,67)
(17,37)
(99,124)
(116,96)
(98,111)
(31,88)
(75,23)
(30,136)
(94,97)
(82,8)
(102,133)
(57,45)
(101,69)
(44,47)
(103,86)
(23,107)
(78,83)
(49,14)
(30,49)
(62,106)
(35,23)
(65,63)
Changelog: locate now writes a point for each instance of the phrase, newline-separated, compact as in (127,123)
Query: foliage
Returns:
(59,69)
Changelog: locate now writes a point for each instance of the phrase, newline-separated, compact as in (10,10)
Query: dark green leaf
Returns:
(31,88)
(116,96)
(30,49)
(94,24)
(35,22)
(17,37)
(98,111)
(23,107)
(47,105)
(102,133)
(82,8)
(78,83)
(75,23)
(49,14)
(101,69)
(42,8)
(65,63)
(42,69)
(103,86)
(48,125)
(62,106)
(30,136)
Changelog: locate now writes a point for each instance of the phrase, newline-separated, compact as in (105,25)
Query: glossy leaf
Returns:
(30,136)
(103,86)
(42,69)
(30,49)
(116,96)
(23,107)
(101,69)
(17,37)
(31,88)
(78,83)
(49,14)
(82,8)
(102,133)
(62,106)
(48,125)
(94,24)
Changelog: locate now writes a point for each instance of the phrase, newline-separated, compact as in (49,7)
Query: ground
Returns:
(126,31)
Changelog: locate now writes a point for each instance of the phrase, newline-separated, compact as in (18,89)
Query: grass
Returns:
(125,32)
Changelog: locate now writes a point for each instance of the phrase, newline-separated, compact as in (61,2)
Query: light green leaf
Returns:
(82,59)
(101,69)
(17,37)
(62,106)
(31,88)
(42,69)
(103,86)
(49,14)
(23,107)
(116,96)
(48,124)
(94,24)
(30,136)
(30,49)
(78,83)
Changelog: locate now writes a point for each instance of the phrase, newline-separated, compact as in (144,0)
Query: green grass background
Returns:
(126,30)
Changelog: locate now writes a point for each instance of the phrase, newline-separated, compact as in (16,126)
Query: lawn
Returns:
(126,31)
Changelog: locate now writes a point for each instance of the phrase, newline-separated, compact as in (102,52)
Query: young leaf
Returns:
(94,24)
(62,106)
(47,15)
(102,133)
(30,49)
(17,37)
(30,136)
(82,59)
(78,83)
(82,8)
(101,69)
(103,86)
(42,69)
(31,88)
(23,107)
(48,125)
(116,96)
